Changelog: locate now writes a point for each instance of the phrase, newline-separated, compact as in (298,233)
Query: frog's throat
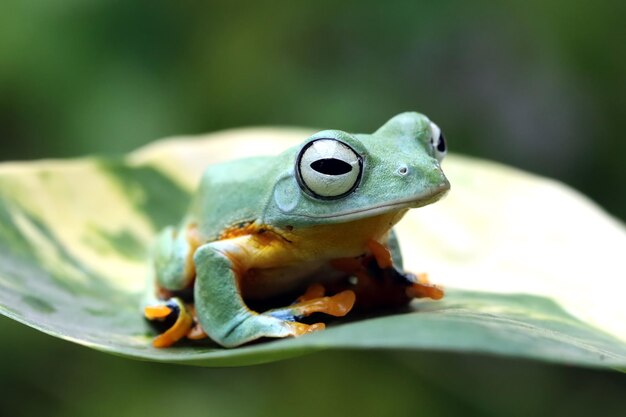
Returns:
(413,202)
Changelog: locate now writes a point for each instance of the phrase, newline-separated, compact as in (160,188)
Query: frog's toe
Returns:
(158,312)
(299,329)
(339,304)
(422,288)
(172,318)
(315,290)
(196,332)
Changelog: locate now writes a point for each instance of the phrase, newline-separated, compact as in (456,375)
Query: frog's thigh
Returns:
(219,307)
(173,260)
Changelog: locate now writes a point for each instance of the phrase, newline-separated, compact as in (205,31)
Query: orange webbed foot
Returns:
(299,329)
(156,312)
(338,305)
(424,289)
(178,330)
(313,301)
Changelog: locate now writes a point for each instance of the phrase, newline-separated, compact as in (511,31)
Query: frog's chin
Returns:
(397,205)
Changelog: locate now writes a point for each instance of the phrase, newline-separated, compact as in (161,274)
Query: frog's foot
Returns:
(379,284)
(196,332)
(313,301)
(172,315)
(422,288)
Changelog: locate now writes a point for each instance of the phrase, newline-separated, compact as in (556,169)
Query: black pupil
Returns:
(441,146)
(331,166)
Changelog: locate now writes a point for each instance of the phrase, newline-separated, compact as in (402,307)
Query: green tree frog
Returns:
(268,241)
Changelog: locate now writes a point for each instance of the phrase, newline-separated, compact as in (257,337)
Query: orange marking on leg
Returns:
(156,312)
(239,229)
(263,233)
(381,253)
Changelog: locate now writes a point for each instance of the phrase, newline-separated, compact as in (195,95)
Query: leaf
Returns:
(532,268)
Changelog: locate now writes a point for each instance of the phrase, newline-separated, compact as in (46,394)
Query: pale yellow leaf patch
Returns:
(66,197)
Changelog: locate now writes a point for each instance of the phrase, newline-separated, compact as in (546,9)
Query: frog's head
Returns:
(336,176)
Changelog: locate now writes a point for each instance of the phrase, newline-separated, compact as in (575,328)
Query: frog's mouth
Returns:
(416,201)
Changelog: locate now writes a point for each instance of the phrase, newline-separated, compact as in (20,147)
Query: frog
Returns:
(270,242)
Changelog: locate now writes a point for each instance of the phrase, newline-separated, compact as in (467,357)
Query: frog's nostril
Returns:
(403,170)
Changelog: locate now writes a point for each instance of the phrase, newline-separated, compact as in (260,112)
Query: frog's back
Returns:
(230,194)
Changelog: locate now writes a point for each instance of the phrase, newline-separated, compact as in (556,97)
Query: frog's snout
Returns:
(432,179)
(444,185)
(435,175)
(441,183)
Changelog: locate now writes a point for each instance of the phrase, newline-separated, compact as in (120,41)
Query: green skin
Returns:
(400,170)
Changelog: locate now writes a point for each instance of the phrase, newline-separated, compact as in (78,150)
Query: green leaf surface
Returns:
(532,268)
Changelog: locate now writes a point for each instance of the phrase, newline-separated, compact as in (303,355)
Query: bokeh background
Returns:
(532,83)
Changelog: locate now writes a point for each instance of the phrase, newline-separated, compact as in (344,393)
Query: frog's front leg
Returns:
(220,308)
(173,257)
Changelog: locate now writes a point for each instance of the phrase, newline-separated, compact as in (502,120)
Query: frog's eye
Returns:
(438,142)
(328,168)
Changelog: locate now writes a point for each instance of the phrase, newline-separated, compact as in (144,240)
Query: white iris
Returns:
(323,168)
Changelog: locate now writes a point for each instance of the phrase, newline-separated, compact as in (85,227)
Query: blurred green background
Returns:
(535,84)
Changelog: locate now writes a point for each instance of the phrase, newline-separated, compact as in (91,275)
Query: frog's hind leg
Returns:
(220,309)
